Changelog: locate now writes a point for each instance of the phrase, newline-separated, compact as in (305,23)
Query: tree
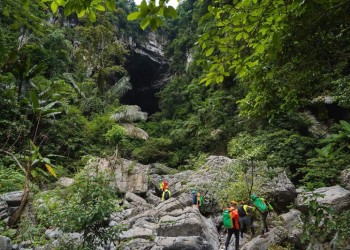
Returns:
(34,162)
(81,7)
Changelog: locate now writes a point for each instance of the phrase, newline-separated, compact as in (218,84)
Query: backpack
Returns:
(200,199)
(260,205)
(166,195)
(241,211)
(226,219)
(165,185)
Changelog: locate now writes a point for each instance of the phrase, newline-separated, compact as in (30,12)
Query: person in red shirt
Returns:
(165,185)
(235,222)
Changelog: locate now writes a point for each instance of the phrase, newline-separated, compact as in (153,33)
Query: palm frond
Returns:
(121,87)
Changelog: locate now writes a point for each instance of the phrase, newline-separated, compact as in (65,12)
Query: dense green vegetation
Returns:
(269,83)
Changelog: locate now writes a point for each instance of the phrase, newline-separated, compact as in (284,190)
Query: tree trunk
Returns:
(13,220)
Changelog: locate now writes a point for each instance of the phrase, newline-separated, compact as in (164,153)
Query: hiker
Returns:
(197,199)
(246,214)
(194,198)
(233,227)
(166,194)
(163,184)
(263,207)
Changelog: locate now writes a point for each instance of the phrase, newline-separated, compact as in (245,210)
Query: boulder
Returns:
(131,197)
(12,198)
(281,190)
(65,182)
(130,176)
(151,198)
(173,203)
(5,243)
(140,244)
(183,243)
(188,222)
(53,233)
(335,197)
(3,210)
(275,236)
(173,223)
(293,223)
(345,178)
(137,232)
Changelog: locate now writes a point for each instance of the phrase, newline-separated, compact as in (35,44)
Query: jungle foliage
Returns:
(263,81)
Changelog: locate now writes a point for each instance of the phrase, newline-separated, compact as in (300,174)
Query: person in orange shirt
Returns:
(163,184)
(235,229)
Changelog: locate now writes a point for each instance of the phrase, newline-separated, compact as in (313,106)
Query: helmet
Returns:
(253,197)
(193,191)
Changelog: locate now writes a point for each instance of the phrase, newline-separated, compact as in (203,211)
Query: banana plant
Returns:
(34,163)
(40,110)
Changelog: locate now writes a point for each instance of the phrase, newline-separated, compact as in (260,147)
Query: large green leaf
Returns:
(111,4)
(92,16)
(34,99)
(54,6)
(133,16)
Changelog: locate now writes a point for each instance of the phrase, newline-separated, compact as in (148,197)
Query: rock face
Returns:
(336,197)
(129,176)
(345,178)
(5,243)
(147,67)
(293,223)
(3,210)
(275,236)
(13,199)
(65,182)
(281,190)
(173,224)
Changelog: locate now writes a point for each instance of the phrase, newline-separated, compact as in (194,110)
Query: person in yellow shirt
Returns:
(245,213)
(166,194)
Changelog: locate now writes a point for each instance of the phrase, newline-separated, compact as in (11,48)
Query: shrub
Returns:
(11,179)
(85,206)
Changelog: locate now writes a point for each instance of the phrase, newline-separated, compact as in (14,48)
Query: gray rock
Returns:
(188,222)
(183,243)
(131,197)
(335,197)
(12,198)
(137,232)
(175,203)
(65,182)
(130,176)
(139,244)
(281,190)
(293,223)
(3,210)
(116,218)
(151,198)
(345,178)
(5,243)
(275,236)
(53,233)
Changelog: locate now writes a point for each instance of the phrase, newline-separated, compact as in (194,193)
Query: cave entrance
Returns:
(146,77)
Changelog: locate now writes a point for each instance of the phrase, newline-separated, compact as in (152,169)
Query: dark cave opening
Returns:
(146,77)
